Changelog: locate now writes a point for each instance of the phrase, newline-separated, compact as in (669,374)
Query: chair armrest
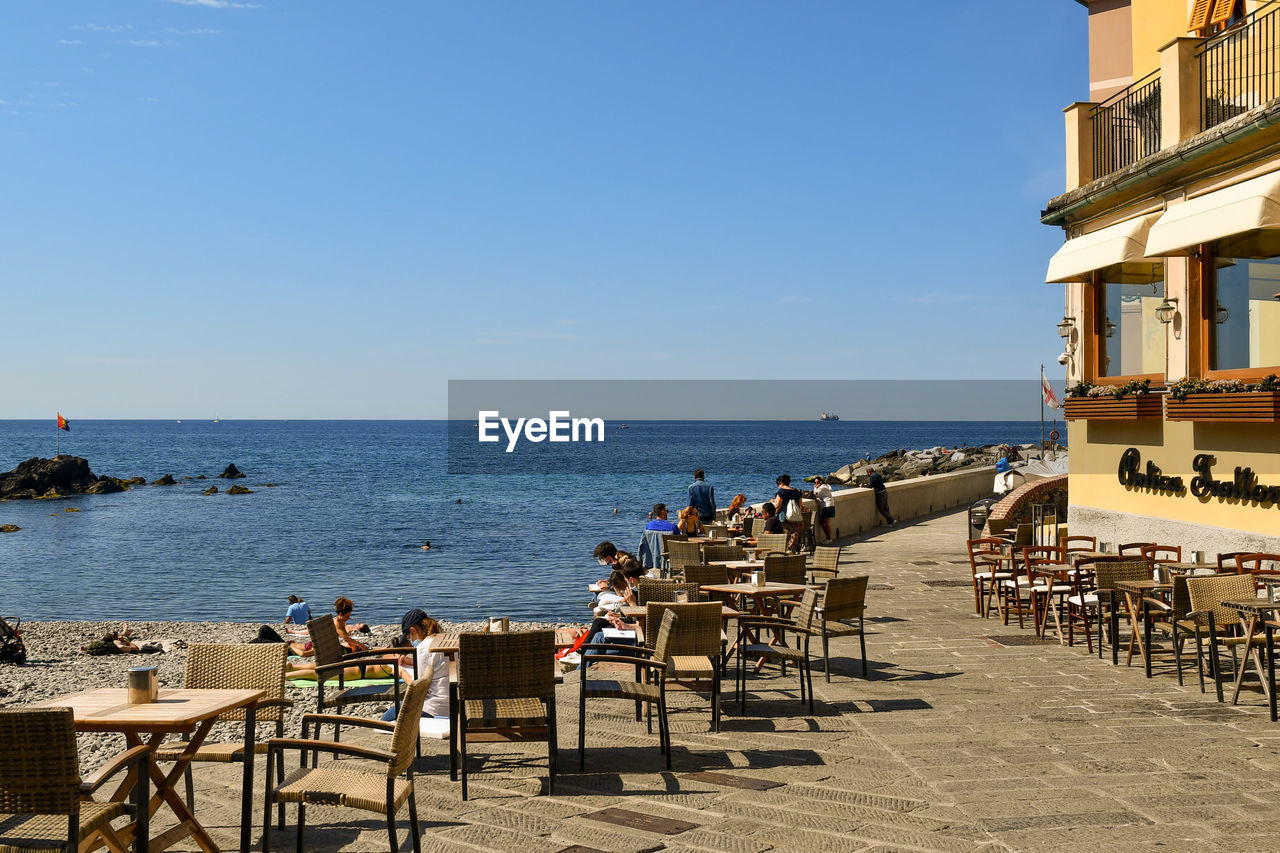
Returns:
(341,665)
(387,650)
(1198,613)
(344,720)
(273,703)
(1157,604)
(626,659)
(766,621)
(280,744)
(633,650)
(136,755)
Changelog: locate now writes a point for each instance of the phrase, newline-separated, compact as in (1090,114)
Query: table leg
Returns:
(1271,670)
(1135,636)
(1251,623)
(167,793)
(1114,617)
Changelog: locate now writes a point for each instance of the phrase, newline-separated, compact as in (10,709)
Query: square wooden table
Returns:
(187,711)
(1131,589)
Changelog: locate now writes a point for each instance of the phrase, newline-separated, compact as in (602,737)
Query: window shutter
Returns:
(1222,11)
(1200,15)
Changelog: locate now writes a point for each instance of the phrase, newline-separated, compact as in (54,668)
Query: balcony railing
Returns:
(1126,126)
(1240,67)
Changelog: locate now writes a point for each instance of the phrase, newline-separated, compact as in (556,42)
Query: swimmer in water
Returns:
(427,546)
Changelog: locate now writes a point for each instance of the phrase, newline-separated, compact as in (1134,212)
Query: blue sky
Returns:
(316,209)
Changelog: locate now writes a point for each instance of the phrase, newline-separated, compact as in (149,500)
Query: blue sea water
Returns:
(356,500)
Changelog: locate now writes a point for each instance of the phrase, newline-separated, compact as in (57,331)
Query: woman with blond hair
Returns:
(690,524)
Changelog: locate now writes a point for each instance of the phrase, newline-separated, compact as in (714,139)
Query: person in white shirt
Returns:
(419,629)
(827,511)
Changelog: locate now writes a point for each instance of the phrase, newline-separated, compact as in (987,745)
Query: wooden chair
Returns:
(1159,554)
(843,602)
(1049,576)
(253,666)
(346,783)
(1074,544)
(1171,619)
(649,589)
(1132,549)
(652,691)
(1107,573)
(987,573)
(799,625)
(333,661)
(694,650)
(808,539)
(506,690)
(1230,560)
(46,804)
(1259,564)
(771,543)
(825,561)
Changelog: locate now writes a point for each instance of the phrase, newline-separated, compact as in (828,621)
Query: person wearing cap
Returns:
(419,629)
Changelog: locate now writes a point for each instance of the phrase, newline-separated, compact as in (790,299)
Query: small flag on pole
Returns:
(1050,398)
(63,424)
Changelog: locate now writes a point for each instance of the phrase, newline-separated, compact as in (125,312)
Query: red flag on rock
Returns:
(62,423)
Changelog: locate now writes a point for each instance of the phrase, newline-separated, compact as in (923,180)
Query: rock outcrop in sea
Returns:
(59,477)
(231,472)
(906,464)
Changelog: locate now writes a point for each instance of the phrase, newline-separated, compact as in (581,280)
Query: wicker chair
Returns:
(694,650)
(785,569)
(1107,573)
(43,800)
(808,540)
(240,667)
(650,692)
(716,530)
(681,554)
(800,624)
(332,662)
(649,589)
(843,601)
(716,553)
(383,792)
(1224,624)
(1170,619)
(825,561)
(506,687)
(775,543)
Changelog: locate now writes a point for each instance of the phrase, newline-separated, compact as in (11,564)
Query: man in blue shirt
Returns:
(702,496)
(659,521)
(299,612)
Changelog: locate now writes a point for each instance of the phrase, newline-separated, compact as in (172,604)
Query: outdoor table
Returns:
(756,593)
(1191,568)
(1077,557)
(187,711)
(1055,574)
(1253,611)
(737,567)
(1130,589)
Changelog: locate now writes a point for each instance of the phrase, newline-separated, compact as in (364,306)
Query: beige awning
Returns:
(1118,250)
(1244,220)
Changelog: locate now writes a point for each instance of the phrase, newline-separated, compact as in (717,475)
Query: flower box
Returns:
(1107,408)
(1259,407)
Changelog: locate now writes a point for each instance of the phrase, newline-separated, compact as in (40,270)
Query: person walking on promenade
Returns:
(782,500)
(876,482)
(826,505)
(703,496)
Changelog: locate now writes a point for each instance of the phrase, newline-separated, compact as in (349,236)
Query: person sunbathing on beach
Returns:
(342,609)
(119,643)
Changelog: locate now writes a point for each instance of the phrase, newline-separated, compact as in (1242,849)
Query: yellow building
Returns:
(1172,272)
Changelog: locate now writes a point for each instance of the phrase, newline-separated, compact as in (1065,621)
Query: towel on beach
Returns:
(350,682)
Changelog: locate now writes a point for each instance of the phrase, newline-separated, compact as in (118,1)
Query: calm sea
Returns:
(356,500)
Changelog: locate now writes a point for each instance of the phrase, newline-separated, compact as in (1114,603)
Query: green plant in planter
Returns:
(1184,388)
(1088,389)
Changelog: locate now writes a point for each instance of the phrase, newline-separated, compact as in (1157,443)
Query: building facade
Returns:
(1171,267)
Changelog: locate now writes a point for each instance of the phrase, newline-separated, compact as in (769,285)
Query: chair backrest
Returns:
(1259,563)
(1181,599)
(1034,555)
(826,557)
(696,633)
(681,554)
(748,524)
(712,553)
(404,738)
(985,545)
(1079,543)
(1108,573)
(717,531)
(699,576)
(506,665)
(771,542)
(844,598)
(1207,594)
(784,569)
(664,590)
(252,666)
(1162,553)
(1132,549)
(1023,535)
(1231,560)
(324,640)
(804,611)
(39,770)
(662,642)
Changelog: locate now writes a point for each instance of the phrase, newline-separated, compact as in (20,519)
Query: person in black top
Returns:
(876,482)
(770,516)
(782,501)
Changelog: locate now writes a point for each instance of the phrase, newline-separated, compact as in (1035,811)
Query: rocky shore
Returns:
(56,666)
(906,464)
(64,476)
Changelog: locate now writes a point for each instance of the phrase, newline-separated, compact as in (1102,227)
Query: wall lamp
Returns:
(1166,310)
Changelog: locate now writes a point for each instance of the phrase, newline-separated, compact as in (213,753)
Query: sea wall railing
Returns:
(1240,67)
(1126,126)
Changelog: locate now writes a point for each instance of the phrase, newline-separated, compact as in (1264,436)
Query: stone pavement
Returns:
(957,741)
